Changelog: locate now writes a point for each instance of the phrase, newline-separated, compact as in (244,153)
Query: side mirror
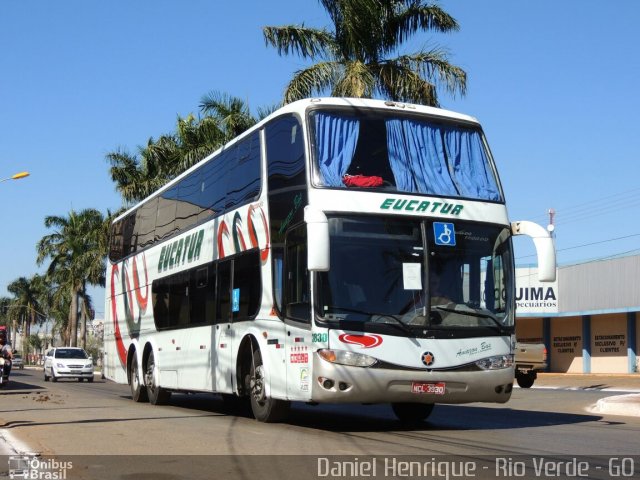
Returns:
(544,248)
(317,239)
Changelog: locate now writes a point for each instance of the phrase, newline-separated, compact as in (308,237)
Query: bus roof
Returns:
(300,106)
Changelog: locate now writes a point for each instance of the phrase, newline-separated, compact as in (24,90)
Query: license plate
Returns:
(76,371)
(429,388)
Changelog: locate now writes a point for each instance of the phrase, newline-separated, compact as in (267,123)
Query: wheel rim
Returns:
(134,377)
(257,384)
(148,376)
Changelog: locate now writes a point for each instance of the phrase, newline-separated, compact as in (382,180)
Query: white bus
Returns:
(340,251)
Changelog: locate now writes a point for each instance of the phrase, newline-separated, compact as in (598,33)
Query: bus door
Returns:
(296,308)
(198,343)
(239,293)
(223,330)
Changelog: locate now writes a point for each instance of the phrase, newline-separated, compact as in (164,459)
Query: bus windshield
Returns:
(400,152)
(398,272)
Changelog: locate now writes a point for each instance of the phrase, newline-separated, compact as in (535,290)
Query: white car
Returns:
(68,362)
(16,362)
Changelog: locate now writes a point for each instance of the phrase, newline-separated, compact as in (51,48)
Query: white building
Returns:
(589,319)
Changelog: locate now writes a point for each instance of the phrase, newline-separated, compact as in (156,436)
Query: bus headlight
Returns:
(495,363)
(342,357)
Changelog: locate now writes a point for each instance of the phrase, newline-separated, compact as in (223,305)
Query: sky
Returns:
(554,84)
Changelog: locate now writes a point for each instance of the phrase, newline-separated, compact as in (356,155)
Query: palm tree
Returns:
(5,318)
(138,175)
(77,249)
(4,309)
(25,307)
(353,58)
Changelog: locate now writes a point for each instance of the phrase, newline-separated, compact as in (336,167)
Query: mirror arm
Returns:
(544,248)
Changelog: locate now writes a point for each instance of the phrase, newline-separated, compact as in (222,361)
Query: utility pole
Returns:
(551,227)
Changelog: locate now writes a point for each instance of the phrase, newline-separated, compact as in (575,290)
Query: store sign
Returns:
(533,296)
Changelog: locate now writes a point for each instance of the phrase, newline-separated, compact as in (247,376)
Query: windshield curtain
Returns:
(407,154)
(380,275)
(418,161)
(336,139)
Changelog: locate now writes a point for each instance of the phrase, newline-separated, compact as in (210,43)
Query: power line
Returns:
(588,244)
(595,206)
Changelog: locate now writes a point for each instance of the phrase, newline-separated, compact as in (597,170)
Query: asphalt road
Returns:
(77,420)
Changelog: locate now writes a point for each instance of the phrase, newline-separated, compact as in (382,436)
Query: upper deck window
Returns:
(404,153)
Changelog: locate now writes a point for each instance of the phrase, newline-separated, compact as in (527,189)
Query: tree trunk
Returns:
(73,320)
(24,346)
(13,335)
(83,327)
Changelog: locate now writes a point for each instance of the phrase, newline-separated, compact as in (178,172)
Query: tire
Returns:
(412,413)
(90,379)
(157,395)
(46,377)
(265,409)
(53,376)
(138,391)
(525,380)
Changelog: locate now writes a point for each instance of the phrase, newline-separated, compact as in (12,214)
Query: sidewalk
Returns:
(627,403)
(590,381)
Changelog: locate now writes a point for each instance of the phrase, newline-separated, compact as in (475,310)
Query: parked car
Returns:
(68,362)
(16,362)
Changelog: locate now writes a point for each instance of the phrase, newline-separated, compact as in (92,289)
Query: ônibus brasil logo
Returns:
(365,341)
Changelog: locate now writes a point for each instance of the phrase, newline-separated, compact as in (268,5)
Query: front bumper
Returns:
(73,373)
(379,385)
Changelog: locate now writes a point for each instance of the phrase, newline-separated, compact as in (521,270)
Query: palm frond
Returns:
(312,80)
(404,18)
(399,82)
(356,81)
(307,42)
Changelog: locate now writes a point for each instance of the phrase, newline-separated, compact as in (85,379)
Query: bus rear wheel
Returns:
(412,412)
(157,395)
(138,391)
(264,408)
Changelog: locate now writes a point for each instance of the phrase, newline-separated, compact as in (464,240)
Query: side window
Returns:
(296,276)
(244,172)
(247,288)
(185,299)
(116,241)
(187,207)
(278,263)
(223,292)
(202,293)
(146,223)
(213,187)
(160,299)
(285,153)
(179,299)
(165,220)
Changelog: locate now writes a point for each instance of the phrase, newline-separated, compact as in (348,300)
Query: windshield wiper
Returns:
(399,323)
(471,313)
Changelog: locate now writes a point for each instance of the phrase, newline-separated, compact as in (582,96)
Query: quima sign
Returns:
(533,296)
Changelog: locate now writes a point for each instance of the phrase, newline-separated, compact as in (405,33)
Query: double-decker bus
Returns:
(340,251)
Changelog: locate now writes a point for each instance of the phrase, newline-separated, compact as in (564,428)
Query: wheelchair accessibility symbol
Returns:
(444,234)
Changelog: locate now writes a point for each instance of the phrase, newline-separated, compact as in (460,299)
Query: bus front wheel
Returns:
(412,412)
(264,408)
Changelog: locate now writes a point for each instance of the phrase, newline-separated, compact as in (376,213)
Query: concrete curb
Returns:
(627,405)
